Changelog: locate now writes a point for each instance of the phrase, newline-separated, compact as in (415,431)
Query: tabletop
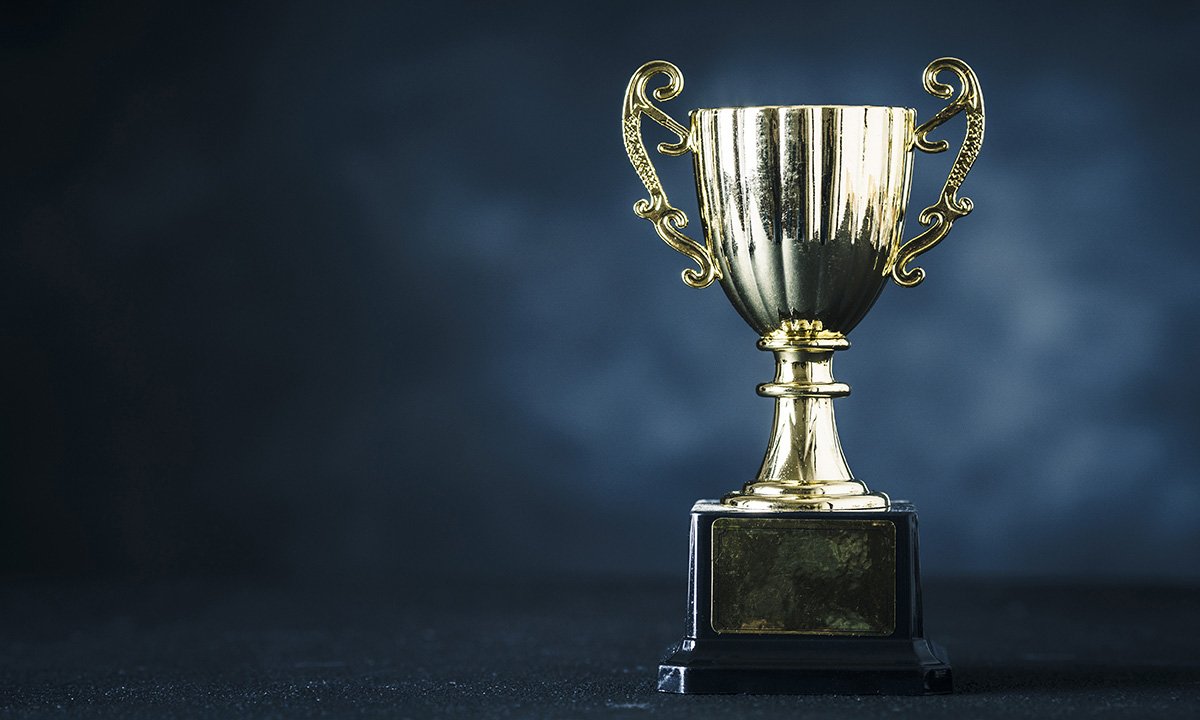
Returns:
(426,648)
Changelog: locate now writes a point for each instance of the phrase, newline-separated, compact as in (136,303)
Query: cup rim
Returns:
(805,107)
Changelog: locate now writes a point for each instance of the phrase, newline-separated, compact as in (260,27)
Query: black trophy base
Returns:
(804,602)
(856,666)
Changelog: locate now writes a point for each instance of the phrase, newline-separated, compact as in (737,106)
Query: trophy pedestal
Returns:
(804,602)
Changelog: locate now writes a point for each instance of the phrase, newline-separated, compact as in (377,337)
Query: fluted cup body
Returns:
(803,207)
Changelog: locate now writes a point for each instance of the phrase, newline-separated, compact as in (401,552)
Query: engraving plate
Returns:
(807,577)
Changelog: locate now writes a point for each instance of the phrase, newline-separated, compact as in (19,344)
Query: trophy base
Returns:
(803,601)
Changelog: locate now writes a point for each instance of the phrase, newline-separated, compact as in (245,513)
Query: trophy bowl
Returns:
(804,207)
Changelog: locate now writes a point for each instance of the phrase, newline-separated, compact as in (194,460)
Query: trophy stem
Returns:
(804,468)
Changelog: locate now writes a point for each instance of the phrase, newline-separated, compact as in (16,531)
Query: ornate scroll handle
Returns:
(939,217)
(668,220)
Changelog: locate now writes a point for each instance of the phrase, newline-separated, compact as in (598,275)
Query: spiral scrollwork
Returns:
(668,220)
(939,217)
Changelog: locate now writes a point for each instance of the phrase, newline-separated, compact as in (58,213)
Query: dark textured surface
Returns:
(551,651)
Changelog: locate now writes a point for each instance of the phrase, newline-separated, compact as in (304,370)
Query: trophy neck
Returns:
(804,468)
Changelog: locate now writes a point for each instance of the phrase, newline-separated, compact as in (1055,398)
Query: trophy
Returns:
(803,581)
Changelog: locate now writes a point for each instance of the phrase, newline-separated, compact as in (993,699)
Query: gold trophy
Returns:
(803,581)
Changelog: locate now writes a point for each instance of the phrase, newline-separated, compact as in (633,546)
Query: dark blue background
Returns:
(317,289)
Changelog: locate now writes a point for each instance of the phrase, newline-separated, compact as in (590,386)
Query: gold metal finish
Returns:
(804,468)
(802,208)
(939,217)
(668,221)
(786,576)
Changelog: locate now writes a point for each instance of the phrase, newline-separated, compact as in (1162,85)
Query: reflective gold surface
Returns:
(804,467)
(939,217)
(803,212)
(668,220)
(804,207)
(781,575)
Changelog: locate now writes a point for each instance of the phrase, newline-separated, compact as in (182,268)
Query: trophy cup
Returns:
(804,581)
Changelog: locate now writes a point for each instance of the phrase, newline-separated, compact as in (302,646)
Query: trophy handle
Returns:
(939,217)
(668,220)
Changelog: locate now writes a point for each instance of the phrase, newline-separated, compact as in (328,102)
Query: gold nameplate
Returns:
(803,577)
